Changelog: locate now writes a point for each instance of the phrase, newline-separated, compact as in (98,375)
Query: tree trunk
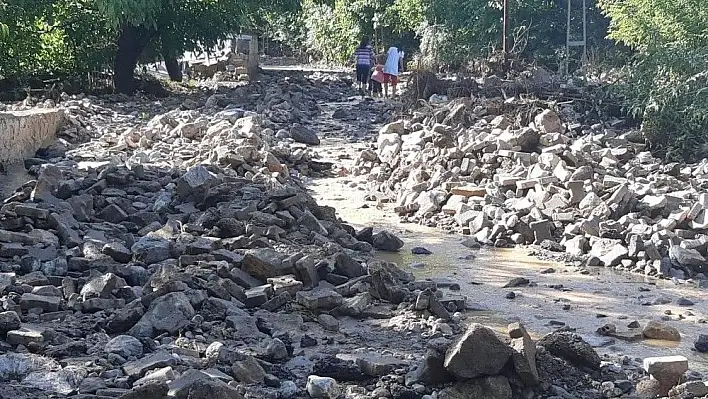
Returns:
(173,68)
(131,42)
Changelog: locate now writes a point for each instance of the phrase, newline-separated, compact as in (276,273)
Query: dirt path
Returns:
(558,296)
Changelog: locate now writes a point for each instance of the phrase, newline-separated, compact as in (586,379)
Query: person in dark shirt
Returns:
(364,56)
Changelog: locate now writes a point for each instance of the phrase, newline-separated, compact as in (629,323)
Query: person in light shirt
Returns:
(392,68)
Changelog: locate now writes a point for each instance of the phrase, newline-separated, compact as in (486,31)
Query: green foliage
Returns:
(332,35)
(641,23)
(667,84)
(37,37)
(45,38)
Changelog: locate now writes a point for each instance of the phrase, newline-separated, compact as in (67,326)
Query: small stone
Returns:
(328,322)
(46,303)
(138,367)
(517,282)
(421,251)
(684,302)
(302,134)
(248,371)
(288,389)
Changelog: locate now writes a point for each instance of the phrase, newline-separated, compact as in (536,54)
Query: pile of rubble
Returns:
(594,192)
(174,256)
(255,129)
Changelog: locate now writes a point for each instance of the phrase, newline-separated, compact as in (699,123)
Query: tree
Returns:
(178,25)
(667,84)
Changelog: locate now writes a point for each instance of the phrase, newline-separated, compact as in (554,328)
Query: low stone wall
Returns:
(22,133)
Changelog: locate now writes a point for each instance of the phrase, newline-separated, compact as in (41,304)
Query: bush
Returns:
(667,88)
(666,85)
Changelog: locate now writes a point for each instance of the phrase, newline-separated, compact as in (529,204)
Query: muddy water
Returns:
(557,297)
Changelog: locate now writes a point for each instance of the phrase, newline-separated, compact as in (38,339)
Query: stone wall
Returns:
(22,133)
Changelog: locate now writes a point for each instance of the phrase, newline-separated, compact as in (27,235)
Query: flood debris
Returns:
(512,171)
(171,250)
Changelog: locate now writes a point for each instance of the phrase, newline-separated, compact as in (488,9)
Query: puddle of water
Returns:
(583,302)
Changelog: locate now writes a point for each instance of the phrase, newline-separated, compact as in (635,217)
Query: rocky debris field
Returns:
(509,172)
(168,249)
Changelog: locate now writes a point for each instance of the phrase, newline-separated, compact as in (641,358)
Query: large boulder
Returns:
(478,352)
(571,347)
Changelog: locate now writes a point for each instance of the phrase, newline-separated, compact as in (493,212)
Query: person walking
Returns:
(392,69)
(365,60)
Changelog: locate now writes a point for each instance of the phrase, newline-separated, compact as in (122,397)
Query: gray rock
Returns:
(614,256)
(658,330)
(524,356)
(124,346)
(113,214)
(328,322)
(168,313)
(701,343)
(347,266)
(686,257)
(322,387)
(210,389)
(46,303)
(195,182)
(118,252)
(496,387)
(47,184)
(102,286)
(319,298)
(248,371)
(9,321)
(571,347)
(151,250)
(276,350)
(431,370)
(387,241)
(288,389)
(151,390)
(477,352)
(263,263)
(302,134)
(137,368)
(668,370)
(311,223)
(690,389)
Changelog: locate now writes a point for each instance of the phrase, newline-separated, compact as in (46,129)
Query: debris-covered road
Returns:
(171,248)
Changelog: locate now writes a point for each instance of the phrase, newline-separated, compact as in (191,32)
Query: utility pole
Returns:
(505,45)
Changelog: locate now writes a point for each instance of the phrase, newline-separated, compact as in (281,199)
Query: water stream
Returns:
(559,294)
